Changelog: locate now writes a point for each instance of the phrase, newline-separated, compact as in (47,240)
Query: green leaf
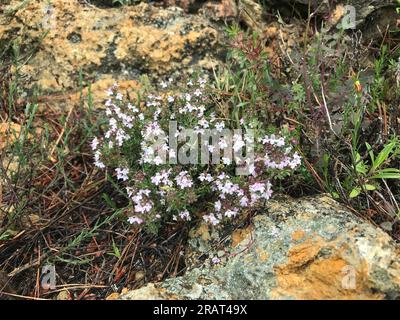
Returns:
(389,170)
(369,187)
(360,165)
(355,192)
(371,153)
(361,168)
(117,253)
(335,195)
(386,176)
(383,155)
(108,201)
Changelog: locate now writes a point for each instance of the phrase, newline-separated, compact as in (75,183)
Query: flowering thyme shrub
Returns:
(161,183)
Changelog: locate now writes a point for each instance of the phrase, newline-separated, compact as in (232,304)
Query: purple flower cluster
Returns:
(158,190)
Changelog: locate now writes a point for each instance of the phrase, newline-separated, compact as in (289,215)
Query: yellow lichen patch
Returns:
(280,40)
(303,253)
(262,254)
(239,235)
(99,88)
(149,292)
(308,276)
(203,232)
(9,132)
(97,92)
(158,48)
(298,235)
(337,14)
(73,38)
(113,296)
(124,290)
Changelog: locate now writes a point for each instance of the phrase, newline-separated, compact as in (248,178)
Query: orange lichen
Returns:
(9,133)
(97,41)
(304,252)
(203,232)
(239,235)
(298,235)
(308,276)
(262,254)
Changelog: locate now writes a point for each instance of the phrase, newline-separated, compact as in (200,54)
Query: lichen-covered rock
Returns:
(105,44)
(311,248)
(370,16)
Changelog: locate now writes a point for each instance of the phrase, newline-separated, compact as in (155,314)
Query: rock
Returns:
(64,295)
(113,296)
(364,7)
(140,275)
(312,248)
(105,44)
(224,10)
(251,14)
(371,16)
(186,5)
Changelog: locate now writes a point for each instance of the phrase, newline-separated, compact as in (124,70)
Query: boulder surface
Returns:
(313,248)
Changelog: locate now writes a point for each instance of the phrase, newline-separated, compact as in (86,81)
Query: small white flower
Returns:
(222,144)
(216,260)
(211,219)
(205,177)
(231,213)
(95,143)
(226,161)
(183,180)
(133,220)
(202,82)
(204,123)
(172,154)
(239,143)
(113,123)
(122,173)
(99,164)
(132,108)
(185,215)
(220,126)
(109,92)
(162,178)
(158,160)
(218,206)
(244,201)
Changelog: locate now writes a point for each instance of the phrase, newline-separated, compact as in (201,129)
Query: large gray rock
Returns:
(312,248)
